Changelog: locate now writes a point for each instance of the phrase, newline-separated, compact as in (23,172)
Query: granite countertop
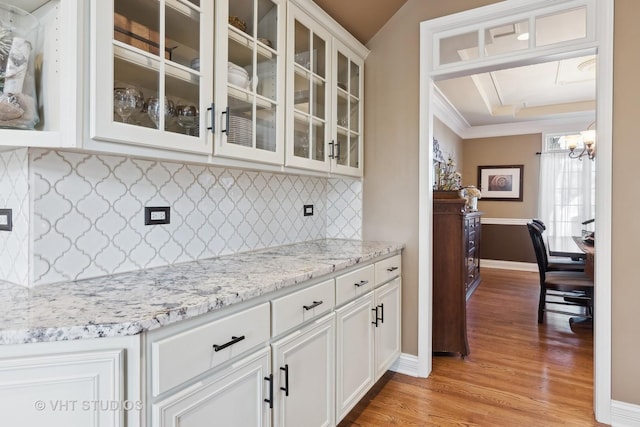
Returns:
(131,303)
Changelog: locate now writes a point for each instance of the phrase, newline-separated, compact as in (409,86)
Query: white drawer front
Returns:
(351,285)
(388,268)
(182,356)
(298,307)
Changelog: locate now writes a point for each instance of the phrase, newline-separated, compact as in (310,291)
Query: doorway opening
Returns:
(472,25)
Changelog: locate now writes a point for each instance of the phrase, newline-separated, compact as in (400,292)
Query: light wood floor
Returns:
(519,373)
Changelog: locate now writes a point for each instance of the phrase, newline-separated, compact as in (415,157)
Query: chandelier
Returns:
(583,144)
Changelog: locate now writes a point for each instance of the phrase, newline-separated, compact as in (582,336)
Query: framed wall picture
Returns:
(502,183)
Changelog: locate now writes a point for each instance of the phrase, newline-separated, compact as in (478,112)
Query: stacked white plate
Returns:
(240,131)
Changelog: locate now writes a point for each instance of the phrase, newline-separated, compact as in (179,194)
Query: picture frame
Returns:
(501,183)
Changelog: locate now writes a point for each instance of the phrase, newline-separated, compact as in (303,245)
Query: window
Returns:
(567,187)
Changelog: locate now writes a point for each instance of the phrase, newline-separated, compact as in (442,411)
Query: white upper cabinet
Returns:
(308,92)
(348,83)
(237,82)
(250,65)
(151,73)
(54,68)
(324,94)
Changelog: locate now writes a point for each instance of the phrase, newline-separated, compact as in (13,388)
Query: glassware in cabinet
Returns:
(154,53)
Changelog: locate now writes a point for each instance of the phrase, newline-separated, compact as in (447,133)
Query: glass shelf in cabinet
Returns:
(125,52)
(238,94)
(248,41)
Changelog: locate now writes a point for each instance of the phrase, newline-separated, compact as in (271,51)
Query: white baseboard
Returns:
(509,265)
(406,364)
(624,414)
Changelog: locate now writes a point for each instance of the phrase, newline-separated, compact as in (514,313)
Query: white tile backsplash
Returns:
(88,212)
(14,195)
(344,208)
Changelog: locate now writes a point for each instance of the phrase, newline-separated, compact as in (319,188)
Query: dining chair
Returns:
(557,263)
(570,288)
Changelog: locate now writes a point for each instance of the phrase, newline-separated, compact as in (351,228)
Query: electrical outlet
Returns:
(155,215)
(6,220)
(308,210)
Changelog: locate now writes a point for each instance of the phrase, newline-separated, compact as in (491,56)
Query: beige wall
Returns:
(625,234)
(505,150)
(391,167)
(391,155)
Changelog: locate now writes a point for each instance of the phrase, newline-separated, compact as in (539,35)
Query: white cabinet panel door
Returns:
(388,303)
(65,390)
(234,397)
(304,373)
(354,353)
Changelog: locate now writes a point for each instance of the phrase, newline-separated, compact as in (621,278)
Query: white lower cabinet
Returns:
(388,302)
(354,353)
(236,396)
(368,339)
(79,389)
(303,372)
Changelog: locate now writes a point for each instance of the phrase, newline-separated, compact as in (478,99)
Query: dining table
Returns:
(575,247)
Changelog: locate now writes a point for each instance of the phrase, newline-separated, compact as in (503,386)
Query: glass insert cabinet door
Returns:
(152,68)
(345,146)
(308,80)
(253,89)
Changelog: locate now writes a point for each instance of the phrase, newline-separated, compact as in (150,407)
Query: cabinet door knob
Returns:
(233,341)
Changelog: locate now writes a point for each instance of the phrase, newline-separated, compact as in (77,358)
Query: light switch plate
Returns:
(6,220)
(155,215)
(308,210)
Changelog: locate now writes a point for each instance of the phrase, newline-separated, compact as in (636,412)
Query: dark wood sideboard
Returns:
(456,272)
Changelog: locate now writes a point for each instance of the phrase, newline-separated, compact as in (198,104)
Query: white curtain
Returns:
(567,193)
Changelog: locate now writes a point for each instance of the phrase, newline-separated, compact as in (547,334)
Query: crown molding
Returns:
(451,117)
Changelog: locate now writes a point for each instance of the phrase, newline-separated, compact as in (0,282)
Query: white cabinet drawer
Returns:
(388,268)
(185,355)
(351,285)
(298,307)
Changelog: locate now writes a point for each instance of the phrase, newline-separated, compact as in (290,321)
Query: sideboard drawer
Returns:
(351,285)
(294,309)
(387,269)
(185,355)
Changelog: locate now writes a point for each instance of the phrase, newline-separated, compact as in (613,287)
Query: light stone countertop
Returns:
(131,303)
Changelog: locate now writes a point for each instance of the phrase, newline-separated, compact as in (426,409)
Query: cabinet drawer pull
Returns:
(376,316)
(212,128)
(270,399)
(391,269)
(331,152)
(381,313)
(337,151)
(314,305)
(361,283)
(286,380)
(233,341)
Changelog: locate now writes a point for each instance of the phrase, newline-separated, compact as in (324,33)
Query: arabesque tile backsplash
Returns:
(88,213)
